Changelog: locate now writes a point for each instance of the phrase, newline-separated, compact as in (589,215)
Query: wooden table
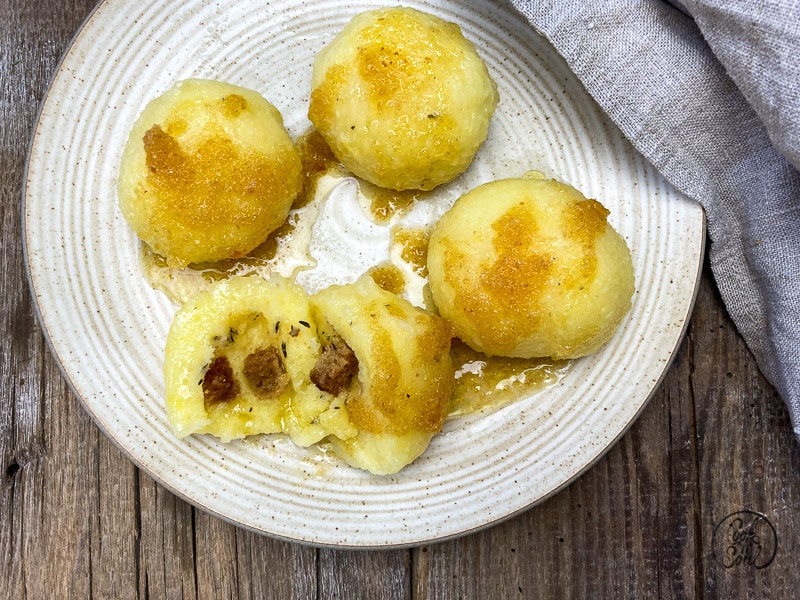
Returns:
(649,520)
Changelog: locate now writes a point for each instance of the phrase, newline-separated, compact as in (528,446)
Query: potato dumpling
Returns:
(237,363)
(402,98)
(208,172)
(390,362)
(529,267)
(354,365)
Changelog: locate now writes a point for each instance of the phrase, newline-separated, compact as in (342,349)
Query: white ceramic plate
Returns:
(107,327)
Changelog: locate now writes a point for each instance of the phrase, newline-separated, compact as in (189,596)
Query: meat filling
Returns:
(335,367)
(265,373)
(219,384)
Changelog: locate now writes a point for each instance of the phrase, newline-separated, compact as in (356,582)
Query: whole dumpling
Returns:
(208,172)
(402,98)
(529,267)
(390,363)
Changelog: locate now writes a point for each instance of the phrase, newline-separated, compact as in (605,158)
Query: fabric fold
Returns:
(660,78)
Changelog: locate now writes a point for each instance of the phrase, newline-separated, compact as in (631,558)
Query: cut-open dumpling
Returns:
(354,365)
(237,363)
(390,363)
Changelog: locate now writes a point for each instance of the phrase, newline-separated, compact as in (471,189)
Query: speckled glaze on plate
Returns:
(107,326)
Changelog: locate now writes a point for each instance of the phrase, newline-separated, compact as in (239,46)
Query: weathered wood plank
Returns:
(748,459)
(115,553)
(275,569)
(57,510)
(50,507)
(166,544)
(359,575)
(232,563)
(77,519)
(217,569)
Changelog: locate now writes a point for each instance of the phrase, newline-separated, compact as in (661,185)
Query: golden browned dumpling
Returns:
(402,98)
(528,268)
(208,172)
(390,362)
(361,368)
(237,363)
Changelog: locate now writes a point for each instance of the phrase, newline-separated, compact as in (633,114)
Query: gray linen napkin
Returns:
(709,92)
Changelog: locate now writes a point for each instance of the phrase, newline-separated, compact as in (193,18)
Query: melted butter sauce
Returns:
(482,383)
(388,276)
(318,160)
(385,203)
(488,383)
(414,244)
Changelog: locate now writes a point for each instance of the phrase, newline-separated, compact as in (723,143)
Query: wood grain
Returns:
(78,520)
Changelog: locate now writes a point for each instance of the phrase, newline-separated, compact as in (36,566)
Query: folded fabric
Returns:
(709,92)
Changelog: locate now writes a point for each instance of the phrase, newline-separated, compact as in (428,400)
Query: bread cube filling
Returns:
(219,383)
(335,367)
(265,373)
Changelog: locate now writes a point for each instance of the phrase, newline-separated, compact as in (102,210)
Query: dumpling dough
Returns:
(402,98)
(208,172)
(237,363)
(400,396)
(529,268)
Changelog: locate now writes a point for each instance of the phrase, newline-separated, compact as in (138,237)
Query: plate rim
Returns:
(196,503)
